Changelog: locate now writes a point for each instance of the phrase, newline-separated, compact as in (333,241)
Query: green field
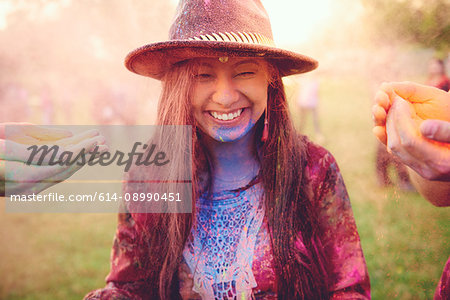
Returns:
(405,239)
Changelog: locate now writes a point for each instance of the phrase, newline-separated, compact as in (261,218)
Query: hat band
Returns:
(240,37)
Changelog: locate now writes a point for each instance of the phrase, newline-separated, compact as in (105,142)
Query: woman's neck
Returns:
(234,163)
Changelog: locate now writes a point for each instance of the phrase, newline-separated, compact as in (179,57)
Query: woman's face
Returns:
(229,96)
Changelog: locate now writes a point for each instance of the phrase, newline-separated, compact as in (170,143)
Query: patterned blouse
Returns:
(228,254)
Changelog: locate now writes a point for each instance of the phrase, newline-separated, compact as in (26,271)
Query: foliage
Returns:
(423,22)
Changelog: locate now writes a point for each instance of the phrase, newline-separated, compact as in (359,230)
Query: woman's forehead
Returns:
(229,61)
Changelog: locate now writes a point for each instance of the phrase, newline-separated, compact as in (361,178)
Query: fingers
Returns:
(30,134)
(393,140)
(65,161)
(404,140)
(394,144)
(25,180)
(387,89)
(19,152)
(37,135)
(45,133)
(21,172)
(379,115)
(404,117)
(400,126)
(77,138)
(10,124)
(436,130)
(23,139)
(401,131)
(90,145)
(382,99)
(414,92)
(380,133)
(10,150)
(428,102)
(403,89)
(429,160)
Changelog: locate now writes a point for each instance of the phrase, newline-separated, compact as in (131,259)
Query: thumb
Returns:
(436,130)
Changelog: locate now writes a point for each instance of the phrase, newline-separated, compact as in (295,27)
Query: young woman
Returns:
(271,218)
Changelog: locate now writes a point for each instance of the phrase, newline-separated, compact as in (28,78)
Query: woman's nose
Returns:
(225,92)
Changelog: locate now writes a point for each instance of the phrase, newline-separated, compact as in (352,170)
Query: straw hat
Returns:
(216,28)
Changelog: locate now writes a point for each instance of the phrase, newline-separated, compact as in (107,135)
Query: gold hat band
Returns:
(240,37)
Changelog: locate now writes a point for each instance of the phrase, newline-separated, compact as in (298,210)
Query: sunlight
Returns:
(295,21)
(5,8)
(48,10)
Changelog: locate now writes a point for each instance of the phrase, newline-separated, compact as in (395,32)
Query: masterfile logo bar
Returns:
(140,169)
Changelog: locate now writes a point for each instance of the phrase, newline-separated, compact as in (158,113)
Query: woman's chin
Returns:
(230,135)
(227,139)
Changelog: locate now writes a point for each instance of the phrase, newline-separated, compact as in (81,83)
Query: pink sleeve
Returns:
(347,269)
(443,288)
(129,276)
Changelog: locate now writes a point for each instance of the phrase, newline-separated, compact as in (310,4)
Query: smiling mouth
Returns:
(226,116)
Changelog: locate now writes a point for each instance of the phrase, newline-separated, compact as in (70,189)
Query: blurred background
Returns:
(61,62)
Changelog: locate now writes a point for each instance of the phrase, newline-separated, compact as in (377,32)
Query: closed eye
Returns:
(245,74)
(203,76)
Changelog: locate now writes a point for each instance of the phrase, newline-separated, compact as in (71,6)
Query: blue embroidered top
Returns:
(220,249)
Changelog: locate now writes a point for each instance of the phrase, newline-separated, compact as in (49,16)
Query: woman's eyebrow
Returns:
(205,64)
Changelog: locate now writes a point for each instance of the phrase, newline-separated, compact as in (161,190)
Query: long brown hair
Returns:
(291,212)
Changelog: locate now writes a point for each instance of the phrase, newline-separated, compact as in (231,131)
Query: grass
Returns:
(54,256)
(404,238)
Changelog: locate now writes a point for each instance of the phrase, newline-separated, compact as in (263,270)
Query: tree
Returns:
(422,22)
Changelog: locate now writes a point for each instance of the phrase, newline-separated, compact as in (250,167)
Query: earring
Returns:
(265,133)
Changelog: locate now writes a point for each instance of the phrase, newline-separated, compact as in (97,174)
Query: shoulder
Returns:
(323,173)
(319,162)
(315,152)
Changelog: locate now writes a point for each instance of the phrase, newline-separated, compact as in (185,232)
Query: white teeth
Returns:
(226,117)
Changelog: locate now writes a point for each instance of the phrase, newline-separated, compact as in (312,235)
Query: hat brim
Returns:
(153,60)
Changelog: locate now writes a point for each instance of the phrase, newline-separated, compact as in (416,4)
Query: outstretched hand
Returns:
(427,102)
(26,177)
(429,159)
(401,115)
